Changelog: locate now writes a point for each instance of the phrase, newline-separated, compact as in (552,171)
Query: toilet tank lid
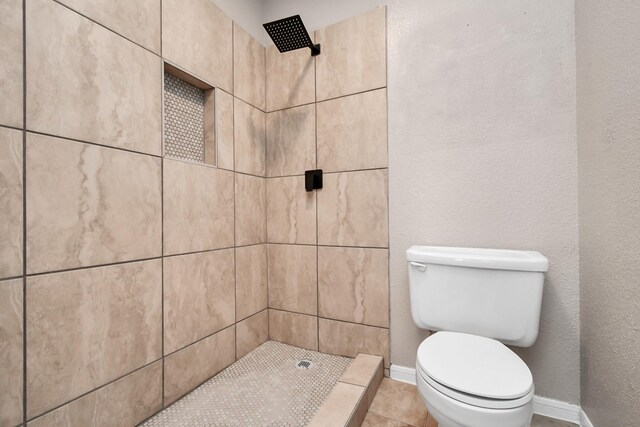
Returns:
(497,259)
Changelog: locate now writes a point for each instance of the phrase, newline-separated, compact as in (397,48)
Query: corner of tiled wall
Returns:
(328,250)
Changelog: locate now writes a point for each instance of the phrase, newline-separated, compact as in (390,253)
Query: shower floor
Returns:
(264,388)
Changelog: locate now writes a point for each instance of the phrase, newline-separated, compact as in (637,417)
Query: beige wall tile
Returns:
(138,21)
(353,285)
(352,132)
(300,330)
(251,333)
(251,280)
(291,211)
(89,205)
(11,65)
(251,218)
(209,112)
(250,138)
(293,278)
(248,68)
(98,87)
(290,78)
(199,38)
(291,141)
(198,207)
(349,339)
(88,327)
(10,202)
(126,402)
(224,135)
(353,55)
(352,209)
(339,407)
(11,336)
(199,296)
(193,365)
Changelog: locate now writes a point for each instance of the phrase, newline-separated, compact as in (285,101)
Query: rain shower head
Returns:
(290,34)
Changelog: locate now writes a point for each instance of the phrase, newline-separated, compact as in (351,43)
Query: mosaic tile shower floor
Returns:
(264,388)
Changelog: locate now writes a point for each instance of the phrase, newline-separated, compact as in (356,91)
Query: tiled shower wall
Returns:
(328,249)
(126,278)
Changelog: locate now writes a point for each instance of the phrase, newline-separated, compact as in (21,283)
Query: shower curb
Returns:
(351,397)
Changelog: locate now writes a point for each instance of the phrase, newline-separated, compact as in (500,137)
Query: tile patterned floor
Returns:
(398,404)
(264,388)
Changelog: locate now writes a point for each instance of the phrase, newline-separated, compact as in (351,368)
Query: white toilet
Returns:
(477,299)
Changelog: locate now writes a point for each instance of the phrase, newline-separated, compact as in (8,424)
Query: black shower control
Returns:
(313,179)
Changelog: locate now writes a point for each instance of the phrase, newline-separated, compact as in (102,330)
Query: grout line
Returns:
(91,143)
(315,114)
(329,246)
(6,279)
(235,184)
(329,318)
(326,100)
(386,117)
(86,267)
(250,104)
(285,176)
(161,27)
(351,94)
(226,248)
(24,212)
(162,121)
(266,193)
(109,29)
(21,129)
(231,325)
(95,389)
(251,315)
(277,110)
(381,168)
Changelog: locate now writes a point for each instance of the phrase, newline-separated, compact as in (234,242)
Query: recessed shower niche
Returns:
(189,118)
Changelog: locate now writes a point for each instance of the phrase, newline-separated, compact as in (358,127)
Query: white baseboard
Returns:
(556,409)
(541,405)
(402,373)
(584,420)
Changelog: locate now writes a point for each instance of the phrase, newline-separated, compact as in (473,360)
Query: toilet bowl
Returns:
(478,300)
(466,380)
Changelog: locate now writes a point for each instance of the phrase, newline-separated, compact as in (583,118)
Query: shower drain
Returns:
(304,364)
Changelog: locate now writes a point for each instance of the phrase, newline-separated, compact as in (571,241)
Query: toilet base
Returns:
(449,412)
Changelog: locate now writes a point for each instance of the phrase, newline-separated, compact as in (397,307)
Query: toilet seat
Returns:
(480,402)
(476,370)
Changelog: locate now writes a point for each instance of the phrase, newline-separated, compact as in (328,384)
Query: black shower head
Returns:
(290,34)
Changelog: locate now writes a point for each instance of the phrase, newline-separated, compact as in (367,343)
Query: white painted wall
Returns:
(608,40)
(482,149)
(317,14)
(248,14)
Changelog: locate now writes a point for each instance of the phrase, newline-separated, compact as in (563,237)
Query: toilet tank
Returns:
(488,292)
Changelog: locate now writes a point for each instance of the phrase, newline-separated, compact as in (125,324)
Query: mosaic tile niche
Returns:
(188,113)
